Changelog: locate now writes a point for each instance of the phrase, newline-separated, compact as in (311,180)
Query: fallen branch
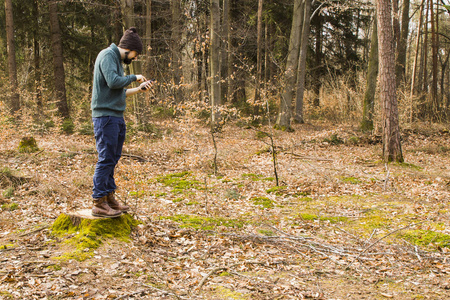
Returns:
(380,239)
(308,157)
(139,158)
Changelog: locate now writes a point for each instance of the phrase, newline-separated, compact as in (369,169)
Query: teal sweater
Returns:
(108,90)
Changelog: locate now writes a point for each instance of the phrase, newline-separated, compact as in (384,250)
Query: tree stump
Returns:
(77,216)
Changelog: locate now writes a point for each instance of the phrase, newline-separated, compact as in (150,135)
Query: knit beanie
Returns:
(131,40)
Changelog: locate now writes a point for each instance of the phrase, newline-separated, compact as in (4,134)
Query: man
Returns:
(107,105)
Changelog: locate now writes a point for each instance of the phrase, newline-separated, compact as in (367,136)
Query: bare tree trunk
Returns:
(229,63)
(148,41)
(290,73)
(301,70)
(392,150)
(402,44)
(37,60)
(434,47)
(14,103)
(371,86)
(225,49)
(414,69)
(259,46)
(128,13)
(215,63)
(176,50)
(58,60)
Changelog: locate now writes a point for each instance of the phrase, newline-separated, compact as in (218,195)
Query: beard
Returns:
(127,60)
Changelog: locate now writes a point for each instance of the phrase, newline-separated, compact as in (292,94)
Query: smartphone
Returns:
(149,81)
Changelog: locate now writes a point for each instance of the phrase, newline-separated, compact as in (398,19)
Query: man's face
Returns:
(130,56)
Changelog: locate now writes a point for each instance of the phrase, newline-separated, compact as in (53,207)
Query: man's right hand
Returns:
(140,78)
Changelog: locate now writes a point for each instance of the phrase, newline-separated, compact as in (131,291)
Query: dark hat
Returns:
(131,40)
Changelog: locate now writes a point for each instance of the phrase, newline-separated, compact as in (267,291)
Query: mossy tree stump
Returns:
(86,232)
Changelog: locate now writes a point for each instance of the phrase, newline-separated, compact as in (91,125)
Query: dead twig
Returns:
(380,239)
(308,157)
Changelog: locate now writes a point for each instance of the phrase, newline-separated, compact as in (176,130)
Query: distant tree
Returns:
(14,103)
(176,64)
(392,150)
(301,70)
(402,43)
(58,60)
(371,85)
(290,72)
(215,62)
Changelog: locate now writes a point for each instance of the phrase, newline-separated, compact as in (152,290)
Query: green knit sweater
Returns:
(108,89)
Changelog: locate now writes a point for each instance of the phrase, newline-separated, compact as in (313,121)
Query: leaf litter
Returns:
(343,225)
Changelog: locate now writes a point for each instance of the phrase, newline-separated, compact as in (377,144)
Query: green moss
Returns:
(277,190)
(266,232)
(308,216)
(177,200)
(251,176)
(6,295)
(225,293)
(180,182)
(89,234)
(10,206)
(334,139)
(67,126)
(409,165)
(351,180)
(426,238)
(204,223)
(264,202)
(9,192)
(7,246)
(28,145)
(232,194)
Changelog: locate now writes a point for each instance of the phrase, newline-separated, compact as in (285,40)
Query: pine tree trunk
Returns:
(215,63)
(259,46)
(176,50)
(290,73)
(371,86)
(302,64)
(37,60)
(402,44)
(14,103)
(416,55)
(392,150)
(58,60)
(148,41)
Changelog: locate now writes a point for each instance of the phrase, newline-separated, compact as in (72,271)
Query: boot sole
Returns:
(106,216)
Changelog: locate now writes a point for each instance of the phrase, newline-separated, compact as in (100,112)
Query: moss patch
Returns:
(180,182)
(277,190)
(264,202)
(10,206)
(204,223)
(28,145)
(351,180)
(88,235)
(427,238)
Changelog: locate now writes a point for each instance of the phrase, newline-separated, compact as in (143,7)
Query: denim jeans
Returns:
(109,138)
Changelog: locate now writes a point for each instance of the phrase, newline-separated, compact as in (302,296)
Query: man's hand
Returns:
(146,85)
(140,78)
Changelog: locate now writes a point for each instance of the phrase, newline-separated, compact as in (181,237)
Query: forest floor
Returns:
(340,225)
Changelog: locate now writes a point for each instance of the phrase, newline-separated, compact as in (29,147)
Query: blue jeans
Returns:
(109,137)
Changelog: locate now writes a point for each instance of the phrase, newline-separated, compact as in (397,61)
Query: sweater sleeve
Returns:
(111,74)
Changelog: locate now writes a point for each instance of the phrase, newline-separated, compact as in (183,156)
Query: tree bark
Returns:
(402,44)
(226,28)
(290,73)
(14,103)
(416,55)
(301,70)
(128,13)
(259,46)
(148,41)
(392,150)
(215,63)
(176,50)
(371,85)
(434,48)
(58,60)
(37,60)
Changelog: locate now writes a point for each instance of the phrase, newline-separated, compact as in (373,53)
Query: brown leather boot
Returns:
(114,204)
(102,209)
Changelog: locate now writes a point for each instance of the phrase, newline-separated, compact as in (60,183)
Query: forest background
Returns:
(258,165)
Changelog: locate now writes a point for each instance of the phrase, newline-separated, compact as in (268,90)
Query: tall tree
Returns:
(58,60)
(128,13)
(290,73)
(298,116)
(14,103)
(434,50)
(215,62)
(148,39)
(259,46)
(176,49)
(402,43)
(392,150)
(416,55)
(371,85)
(226,50)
